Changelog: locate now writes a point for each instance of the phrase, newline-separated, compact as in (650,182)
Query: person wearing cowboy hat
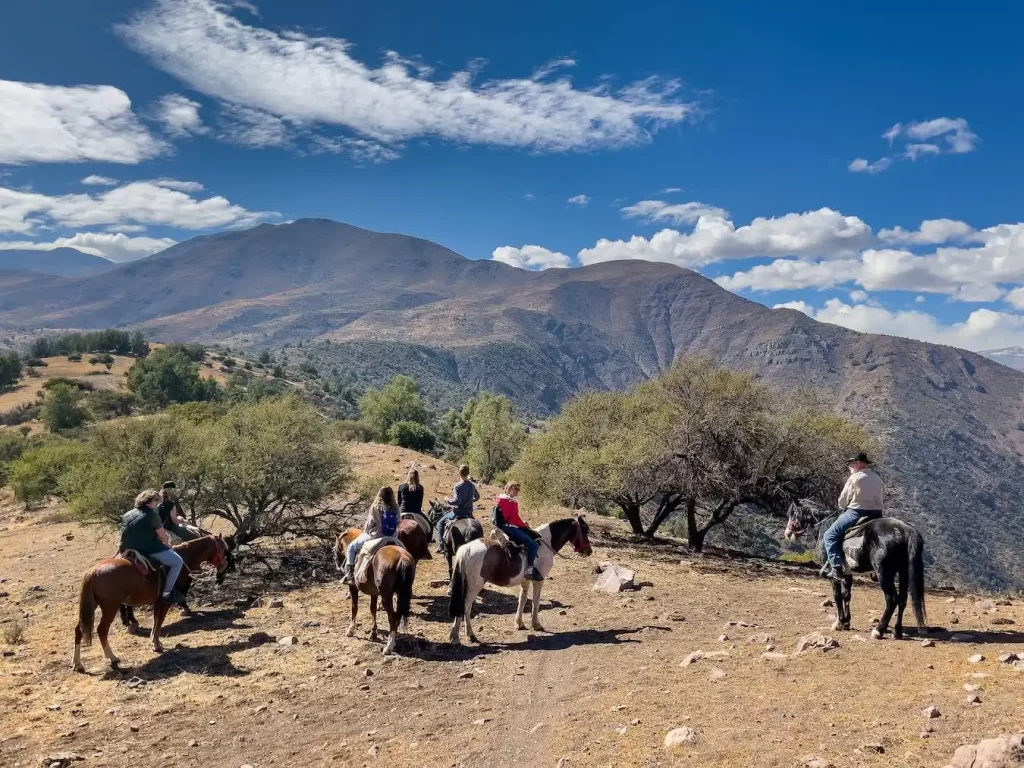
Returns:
(861,497)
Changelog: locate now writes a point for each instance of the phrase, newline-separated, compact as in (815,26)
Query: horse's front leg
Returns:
(354,595)
(522,605)
(159,614)
(842,619)
(393,621)
(373,617)
(887,582)
(536,605)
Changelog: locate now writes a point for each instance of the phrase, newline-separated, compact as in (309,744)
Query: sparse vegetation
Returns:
(61,408)
(397,402)
(10,369)
(495,437)
(14,632)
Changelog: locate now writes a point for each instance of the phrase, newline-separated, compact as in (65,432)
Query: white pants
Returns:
(174,564)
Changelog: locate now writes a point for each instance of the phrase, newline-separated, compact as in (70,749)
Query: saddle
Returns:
(142,564)
(853,542)
(421,521)
(368,550)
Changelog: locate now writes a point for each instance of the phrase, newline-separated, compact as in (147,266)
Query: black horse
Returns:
(890,548)
(459,531)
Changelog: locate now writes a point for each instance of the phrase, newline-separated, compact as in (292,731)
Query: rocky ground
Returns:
(704,644)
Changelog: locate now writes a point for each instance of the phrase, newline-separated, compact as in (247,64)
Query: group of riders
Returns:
(387,509)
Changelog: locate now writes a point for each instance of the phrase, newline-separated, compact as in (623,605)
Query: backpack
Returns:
(388,522)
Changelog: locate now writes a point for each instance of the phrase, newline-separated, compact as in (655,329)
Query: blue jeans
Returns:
(834,535)
(520,536)
(353,549)
(174,564)
(443,522)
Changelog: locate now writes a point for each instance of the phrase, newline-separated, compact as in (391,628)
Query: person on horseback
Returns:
(410,495)
(505,517)
(861,497)
(464,496)
(381,520)
(172,516)
(142,531)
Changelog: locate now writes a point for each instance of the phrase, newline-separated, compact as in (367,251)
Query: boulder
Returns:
(693,658)
(816,640)
(976,658)
(1008,658)
(615,579)
(931,712)
(1005,751)
(1002,621)
(680,737)
(288,640)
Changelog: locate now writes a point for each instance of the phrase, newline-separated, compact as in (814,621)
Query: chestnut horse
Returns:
(483,562)
(388,576)
(408,532)
(116,580)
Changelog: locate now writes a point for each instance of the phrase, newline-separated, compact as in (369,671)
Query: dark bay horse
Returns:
(483,562)
(890,548)
(459,531)
(116,580)
(389,576)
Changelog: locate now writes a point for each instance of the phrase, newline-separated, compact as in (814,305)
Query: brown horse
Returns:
(488,562)
(389,575)
(409,533)
(116,580)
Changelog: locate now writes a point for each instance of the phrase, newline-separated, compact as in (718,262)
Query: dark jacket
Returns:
(164,510)
(410,501)
(138,532)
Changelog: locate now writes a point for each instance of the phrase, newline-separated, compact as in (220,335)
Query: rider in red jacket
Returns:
(508,521)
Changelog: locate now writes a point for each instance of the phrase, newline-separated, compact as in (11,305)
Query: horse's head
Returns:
(801,518)
(580,539)
(221,557)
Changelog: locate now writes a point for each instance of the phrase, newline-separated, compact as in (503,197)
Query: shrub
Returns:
(100,373)
(81,385)
(36,362)
(398,401)
(10,369)
(14,632)
(169,375)
(409,434)
(109,404)
(75,358)
(353,431)
(19,414)
(61,409)
(12,445)
(104,359)
(38,471)
(308,368)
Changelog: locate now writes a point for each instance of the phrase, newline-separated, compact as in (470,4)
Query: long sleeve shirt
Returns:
(409,500)
(464,496)
(509,512)
(863,490)
(372,526)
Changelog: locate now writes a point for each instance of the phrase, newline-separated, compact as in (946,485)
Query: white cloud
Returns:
(941,135)
(983,328)
(528,196)
(920,299)
(164,202)
(530,257)
(255,128)
(671,190)
(858,297)
(179,115)
(99,181)
(581,200)
(309,80)
(57,124)
(1015,298)
(799,306)
(360,150)
(821,233)
(115,247)
(792,274)
(677,213)
(931,232)
(126,228)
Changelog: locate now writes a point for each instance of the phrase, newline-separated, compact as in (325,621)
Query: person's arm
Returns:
(476,494)
(847,495)
(455,496)
(158,526)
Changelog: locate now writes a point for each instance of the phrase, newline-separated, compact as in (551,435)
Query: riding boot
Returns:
(837,574)
(533,574)
(349,576)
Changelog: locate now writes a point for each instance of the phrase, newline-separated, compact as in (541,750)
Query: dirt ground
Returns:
(600,687)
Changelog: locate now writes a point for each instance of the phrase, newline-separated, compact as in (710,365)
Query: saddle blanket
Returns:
(368,550)
(421,521)
(143,564)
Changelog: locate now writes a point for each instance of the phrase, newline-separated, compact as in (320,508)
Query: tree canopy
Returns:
(397,401)
(169,375)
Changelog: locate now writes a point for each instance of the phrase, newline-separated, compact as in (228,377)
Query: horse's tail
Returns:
(457,600)
(86,608)
(406,576)
(915,550)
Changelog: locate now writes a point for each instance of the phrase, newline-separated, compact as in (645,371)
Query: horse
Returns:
(483,562)
(389,575)
(116,580)
(890,548)
(408,532)
(460,531)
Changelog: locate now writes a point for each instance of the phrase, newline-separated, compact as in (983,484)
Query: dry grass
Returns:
(601,687)
(14,632)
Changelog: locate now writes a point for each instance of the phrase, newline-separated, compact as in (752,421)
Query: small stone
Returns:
(53,707)
(367,672)
(927,643)
(954,620)
(482,721)
(877,749)
(971,688)
(974,699)
(814,641)
(929,666)
(676,617)
(288,640)
(1008,658)
(373,751)
(976,658)
(193,743)
(716,674)
(827,604)
(309,624)
(817,762)
(7,653)
(1002,621)
(260,708)
(931,712)
(773,656)
(438,583)
(133,728)
(680,737)
(693,658)
(465,675)
(723,638)
(364,687)
(275,602)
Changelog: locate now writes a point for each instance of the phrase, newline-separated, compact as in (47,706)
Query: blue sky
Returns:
(790,151)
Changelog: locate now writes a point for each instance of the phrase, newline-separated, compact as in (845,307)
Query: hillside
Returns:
(1012,357)
(952,421)
(601,686)
(61,262)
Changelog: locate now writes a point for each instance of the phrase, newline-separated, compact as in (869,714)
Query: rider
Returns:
(410,495)
(861,497)
(381,520)
(171,514)
(506,519)
(143,532)
(464,496)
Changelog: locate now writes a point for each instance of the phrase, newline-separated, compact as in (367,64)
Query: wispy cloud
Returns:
(581,200)
(939,136)
(677,213)
(179,116)
(99,181)
(310,80)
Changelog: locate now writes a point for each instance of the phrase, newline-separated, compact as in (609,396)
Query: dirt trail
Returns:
(601,687)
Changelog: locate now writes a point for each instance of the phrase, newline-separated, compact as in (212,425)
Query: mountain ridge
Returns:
(59,262)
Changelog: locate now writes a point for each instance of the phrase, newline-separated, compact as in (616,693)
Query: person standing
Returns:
(142,531)
(464,496)
(861,498)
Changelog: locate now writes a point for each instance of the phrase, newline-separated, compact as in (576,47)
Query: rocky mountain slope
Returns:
(61,262)
(953,421)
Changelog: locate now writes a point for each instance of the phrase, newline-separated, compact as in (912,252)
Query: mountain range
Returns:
(60,262)
(1012,357)
(952,421)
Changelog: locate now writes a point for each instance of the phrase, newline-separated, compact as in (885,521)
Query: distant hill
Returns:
(61,262)
(1012,357)
(952,421)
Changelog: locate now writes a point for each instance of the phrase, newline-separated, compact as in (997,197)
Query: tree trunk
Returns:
(631,511)
(694,534)
(668,505)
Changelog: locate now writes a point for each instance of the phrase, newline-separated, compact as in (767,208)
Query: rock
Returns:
(310,624)
(827,604)
(931,712)
(133,728)
(193,743)
(693,658)
(465,675)
(927,643)
(816,640)
(974,699)
(679,737)
(288,640)
(954,620)
(817,762)
(877,749)
(7,653)
(723,638)
(985,605)
(136,682)
(1003,602)
(773,656)
(367,672)
(976,658)
(437,583)
(716,674)
(62,759)
(275,602)
(53,707)
(1002,621)
(615,579)
(676,617)
(1005,751)
(1008,658)
(743,624)
(971,687)
(929,666)
(761,640)
(482,721)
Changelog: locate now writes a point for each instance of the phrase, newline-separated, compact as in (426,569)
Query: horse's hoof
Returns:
(134,629)
(876,635)
(454,640)
(351,631)
(79,668)
(897,634)
(158,649)
(837,625)
(520,625)
(539,628)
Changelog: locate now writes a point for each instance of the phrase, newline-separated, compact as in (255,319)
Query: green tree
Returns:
(61,408)
(495,437)
(453,430)
(138,345)
(37,472)
(398,401)
(12,445)
(169,375)
(409,434)
(10,369)
(265,357)
(106,404)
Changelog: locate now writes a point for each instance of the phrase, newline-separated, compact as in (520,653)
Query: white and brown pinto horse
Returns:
(483,562)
